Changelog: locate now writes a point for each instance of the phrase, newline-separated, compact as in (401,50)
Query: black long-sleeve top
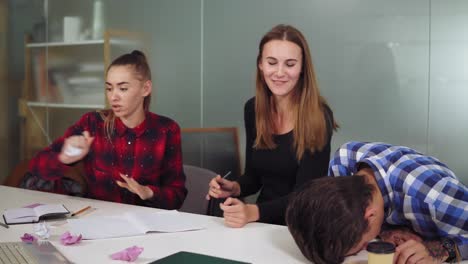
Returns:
(277,171)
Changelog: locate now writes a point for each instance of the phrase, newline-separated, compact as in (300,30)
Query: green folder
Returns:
(194,258)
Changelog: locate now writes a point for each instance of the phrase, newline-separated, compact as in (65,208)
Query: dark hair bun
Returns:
(138,54)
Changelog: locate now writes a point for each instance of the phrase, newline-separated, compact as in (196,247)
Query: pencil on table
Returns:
(81,210)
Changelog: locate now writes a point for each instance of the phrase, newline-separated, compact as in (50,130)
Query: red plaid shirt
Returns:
(150,153)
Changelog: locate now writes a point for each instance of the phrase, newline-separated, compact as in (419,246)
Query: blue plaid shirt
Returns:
(419,191)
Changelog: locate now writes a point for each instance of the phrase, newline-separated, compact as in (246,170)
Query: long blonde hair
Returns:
(137,59)
(310,128)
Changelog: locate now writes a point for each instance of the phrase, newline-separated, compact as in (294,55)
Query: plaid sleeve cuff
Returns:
(155,199)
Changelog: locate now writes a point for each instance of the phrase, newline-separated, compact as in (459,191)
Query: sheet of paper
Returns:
(134,223)
(104,227)
(170,221)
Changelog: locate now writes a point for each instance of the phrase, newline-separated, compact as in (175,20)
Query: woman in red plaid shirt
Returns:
(130,155)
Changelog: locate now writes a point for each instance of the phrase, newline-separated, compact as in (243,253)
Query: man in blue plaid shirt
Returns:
(409,199)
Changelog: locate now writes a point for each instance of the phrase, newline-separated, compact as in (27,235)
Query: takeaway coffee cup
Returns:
(380,252)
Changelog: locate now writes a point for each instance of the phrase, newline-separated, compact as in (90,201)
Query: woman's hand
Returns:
(143,191)
(75,148)
(222,188)
(238,214)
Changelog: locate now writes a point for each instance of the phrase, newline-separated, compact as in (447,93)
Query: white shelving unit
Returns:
(61,44)
(58,105)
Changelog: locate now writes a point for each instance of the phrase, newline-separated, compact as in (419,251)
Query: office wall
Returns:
(173,30)
(3,85)
(392,71)
(448,108)
(19,18)
(371,59)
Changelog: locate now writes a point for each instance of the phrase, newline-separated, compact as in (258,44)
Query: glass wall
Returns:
(17,18)
(392,71)
(448,86)
(371,59)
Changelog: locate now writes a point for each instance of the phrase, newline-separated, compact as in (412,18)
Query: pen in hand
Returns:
(219,182)
(226,175)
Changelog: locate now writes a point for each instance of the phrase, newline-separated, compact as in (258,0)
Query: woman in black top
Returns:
(288,130)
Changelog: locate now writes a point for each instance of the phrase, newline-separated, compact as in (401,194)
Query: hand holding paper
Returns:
(128,254)
(72,151)
(75,148)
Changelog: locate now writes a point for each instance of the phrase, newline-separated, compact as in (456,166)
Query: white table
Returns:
(255,243)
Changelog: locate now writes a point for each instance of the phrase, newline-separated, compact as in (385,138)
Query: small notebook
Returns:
(33,215)
(194,258)
(135,223)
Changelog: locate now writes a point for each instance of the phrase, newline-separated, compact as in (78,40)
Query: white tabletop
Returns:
(255,243)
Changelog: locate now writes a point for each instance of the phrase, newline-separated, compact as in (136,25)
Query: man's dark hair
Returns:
(326,217)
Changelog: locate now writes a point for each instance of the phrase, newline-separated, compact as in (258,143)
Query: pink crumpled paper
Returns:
(28,238)
(68,239)
(128,254)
